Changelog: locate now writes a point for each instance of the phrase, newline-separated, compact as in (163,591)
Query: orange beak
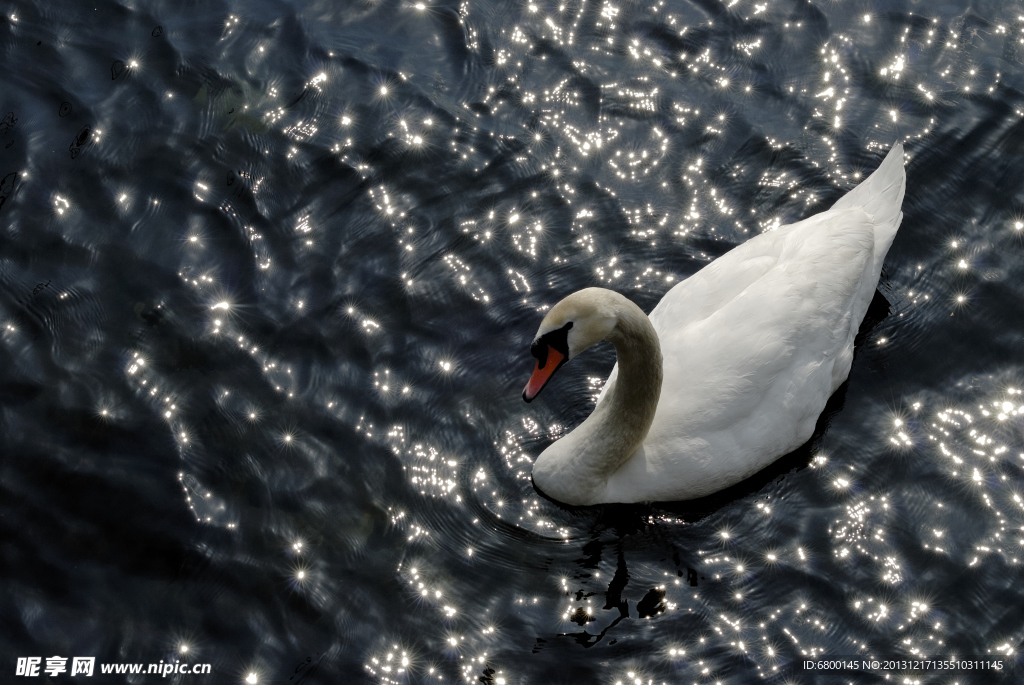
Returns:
(542,374)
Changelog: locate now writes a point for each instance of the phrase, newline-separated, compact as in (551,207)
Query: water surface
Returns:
(271,270)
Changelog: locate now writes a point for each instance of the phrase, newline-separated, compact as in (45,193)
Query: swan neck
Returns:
(576,469)
(632,399)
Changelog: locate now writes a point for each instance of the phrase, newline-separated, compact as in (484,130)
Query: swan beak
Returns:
(542,374)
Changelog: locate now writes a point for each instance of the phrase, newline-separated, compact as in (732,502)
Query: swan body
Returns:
(733,366)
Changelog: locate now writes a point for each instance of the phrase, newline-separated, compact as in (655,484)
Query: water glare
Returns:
(270,281)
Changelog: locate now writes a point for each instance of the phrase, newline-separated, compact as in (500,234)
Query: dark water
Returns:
(270,272)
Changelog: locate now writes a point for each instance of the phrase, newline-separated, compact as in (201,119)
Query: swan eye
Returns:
(557,339)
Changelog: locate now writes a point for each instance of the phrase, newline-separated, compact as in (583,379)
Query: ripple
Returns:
(264,335)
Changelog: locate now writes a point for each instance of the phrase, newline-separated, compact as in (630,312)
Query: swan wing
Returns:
(746,383)
(708,290)
(754,344)
(711,288)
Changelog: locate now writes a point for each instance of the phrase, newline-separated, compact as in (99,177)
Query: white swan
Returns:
(733,366)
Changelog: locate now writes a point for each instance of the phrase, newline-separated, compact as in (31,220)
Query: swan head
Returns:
(580,320)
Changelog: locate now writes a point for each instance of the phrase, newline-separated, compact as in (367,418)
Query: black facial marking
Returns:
(558,339)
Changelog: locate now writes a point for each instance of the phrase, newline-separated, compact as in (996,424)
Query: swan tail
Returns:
(881,193)
(881,196)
